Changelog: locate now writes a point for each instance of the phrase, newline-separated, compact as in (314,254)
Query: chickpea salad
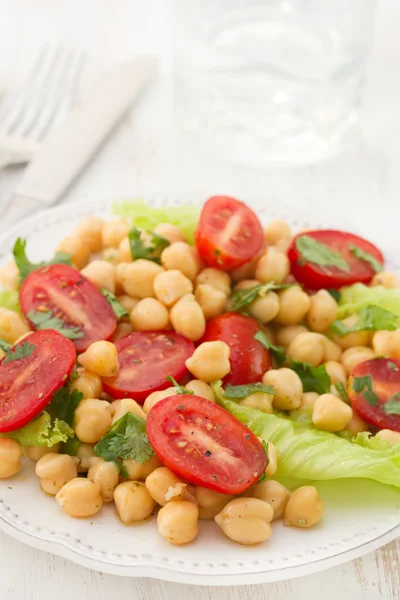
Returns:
(195,364)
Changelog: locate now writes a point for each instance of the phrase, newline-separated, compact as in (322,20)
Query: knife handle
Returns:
(16,209)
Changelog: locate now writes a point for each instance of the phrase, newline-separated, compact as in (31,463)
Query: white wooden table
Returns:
(146,154)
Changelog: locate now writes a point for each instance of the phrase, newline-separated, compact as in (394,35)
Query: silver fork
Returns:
(45,97)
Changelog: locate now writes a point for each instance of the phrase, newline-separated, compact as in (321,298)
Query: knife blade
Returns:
(67,149)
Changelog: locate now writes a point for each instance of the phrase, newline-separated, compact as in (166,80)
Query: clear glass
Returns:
(271,82)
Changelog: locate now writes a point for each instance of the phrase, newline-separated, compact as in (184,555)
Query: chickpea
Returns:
(89,384)
(149,314)
(285,335)
(273,492)
(133,501)
(85,452)
(128,302)
(331,414)
(393,437)
(387,343)
(388,280)
(202,389)
(113,232)
(265,308)
(111,255)
(308,348)
(92,420)
(137,278)
(246,271)
(159,482)
(305,508)
(322,312)
(356,425)
(100,358)
(140,471)
(183,257)
(336,372)
(211,300)
(123,329)
(293,305)
(272,465)
(170,232)
(172,285)
(102,274)
(259,400)
(354,356)
(36,452)
(177,522)
(246,520)
(12,326)
(124,250)
(155,397)
(106,474)
(55,470)
(216,278)
(187,318)
(358,338)
(287,388)
(276,231)
(89,230)
(127,405)
(308,399)
(273,265)
(210,502)
(210,361)
(78,248)
(80,497)
(332,351)
(10,454)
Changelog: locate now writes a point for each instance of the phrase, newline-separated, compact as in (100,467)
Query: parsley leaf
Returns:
(151,250)
(314,252)
(125,439)
(240,299)
(342,391)
(64,404)
(336,295)
(5,346)
(277,351)
(241,391)
(26,267)
(20,351)
(115,304)
(363,385)
(179,388)
(263,476)
(366,257)
(392,406)
(45,320)
(314,379)
(370,318)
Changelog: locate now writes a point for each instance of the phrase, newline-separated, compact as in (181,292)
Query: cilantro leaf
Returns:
(370,318)
(64,404)
(45,320)
(26,267)
(342,391)
(179,388)
(392,406)
(5,346)
(115,304)
(314,379)
(263,476)
(71,446)
(240,299)
(151,250)
(314,252)
(241,391)
(20,351)
(335,294)
(366,257)
(363,385)
(277,351)
(125,439)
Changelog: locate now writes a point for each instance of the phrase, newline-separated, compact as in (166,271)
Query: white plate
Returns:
(360,515)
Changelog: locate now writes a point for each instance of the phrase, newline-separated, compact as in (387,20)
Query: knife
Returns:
(67,149)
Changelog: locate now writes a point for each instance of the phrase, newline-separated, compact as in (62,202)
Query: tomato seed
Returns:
(209,426)
(181,444)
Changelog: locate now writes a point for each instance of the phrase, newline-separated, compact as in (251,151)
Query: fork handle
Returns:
(16,209)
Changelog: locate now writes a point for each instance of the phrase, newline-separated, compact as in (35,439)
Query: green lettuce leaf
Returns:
(10,299)
(43,431)
(358,296)
(138,214)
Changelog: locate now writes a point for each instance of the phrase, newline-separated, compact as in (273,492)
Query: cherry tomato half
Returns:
(146,359)
(27,384)
(73,299)
(229,233)
(316,277)
(383,378)
(249,359)
(203,443)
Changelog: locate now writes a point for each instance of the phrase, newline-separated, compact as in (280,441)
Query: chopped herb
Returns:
(277,351)
(20,351)
(240,299)
(214,477)
(217,252)
(64,404)
(342,391)
(363,385)
(370,318)
(26,267)
(46,320)
(5,346)
(115,304)
(314,379)
(335,294)
(151,250)
(302,521)
(179,388)
(392,366)
(247,436)
(136,361)
(181,407)
(319,254)
(392,406)
(241,391)
(207,453)
(366,257)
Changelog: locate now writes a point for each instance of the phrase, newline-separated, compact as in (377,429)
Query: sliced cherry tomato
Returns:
(204,444)
(316,277)
(229,233)
(73,299)
(249,359)
(27,384)
(383,380)
(146,359)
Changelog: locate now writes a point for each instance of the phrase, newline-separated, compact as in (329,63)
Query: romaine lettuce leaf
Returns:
(9,299)
(43,431)
(358,296)
(138,214)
